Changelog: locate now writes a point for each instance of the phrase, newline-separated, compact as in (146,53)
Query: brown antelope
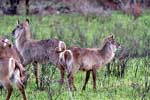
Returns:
(36,51)
(87,59)
(10,70)
(11,51)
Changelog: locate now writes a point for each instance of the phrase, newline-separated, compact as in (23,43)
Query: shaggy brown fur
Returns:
(36,51)
(87,59)
(7,51)
(10,69)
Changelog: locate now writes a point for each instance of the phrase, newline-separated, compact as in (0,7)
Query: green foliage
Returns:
(89,31)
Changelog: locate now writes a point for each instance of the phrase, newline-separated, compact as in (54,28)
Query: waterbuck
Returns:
(10,51)
(10,70)
(87,59)
(36,51)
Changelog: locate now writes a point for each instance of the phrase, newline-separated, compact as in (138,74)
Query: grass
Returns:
(89,31)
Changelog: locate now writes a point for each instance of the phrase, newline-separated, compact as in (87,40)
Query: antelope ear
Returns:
(18,22)
(27,21)
(112,36)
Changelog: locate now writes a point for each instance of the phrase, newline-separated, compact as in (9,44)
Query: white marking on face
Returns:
(5,44)
(6,40)
(113,48)
(18,33)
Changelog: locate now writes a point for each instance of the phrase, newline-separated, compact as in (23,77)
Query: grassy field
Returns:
(89,31)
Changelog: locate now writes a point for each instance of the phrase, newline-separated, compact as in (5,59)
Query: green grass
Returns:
(89,31)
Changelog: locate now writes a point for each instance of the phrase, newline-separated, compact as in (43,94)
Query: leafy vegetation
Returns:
(89,31)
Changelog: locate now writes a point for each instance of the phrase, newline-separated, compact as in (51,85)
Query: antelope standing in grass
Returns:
(36,51)
(10,70)
(10,50)
(88,60)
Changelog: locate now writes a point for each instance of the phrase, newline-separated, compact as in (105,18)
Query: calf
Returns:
(11,51)
(10,70)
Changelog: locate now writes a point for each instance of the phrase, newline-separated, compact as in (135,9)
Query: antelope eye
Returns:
(18,26)
(112,41)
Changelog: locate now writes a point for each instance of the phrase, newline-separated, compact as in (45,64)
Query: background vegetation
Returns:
(89,31)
